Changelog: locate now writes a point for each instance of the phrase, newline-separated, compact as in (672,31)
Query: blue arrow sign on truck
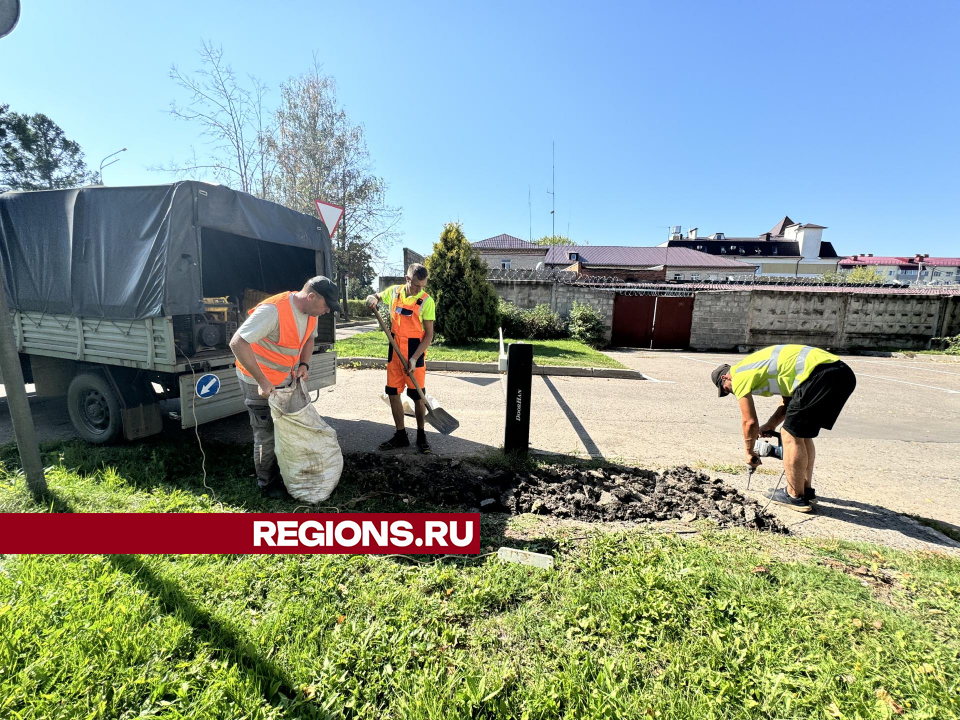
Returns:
(208,386)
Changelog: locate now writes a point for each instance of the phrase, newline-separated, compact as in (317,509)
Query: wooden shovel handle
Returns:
(403,362)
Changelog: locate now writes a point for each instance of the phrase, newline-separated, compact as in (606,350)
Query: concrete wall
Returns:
(757,318)
(950,324)
(388,280)
(527,294)
(719,320)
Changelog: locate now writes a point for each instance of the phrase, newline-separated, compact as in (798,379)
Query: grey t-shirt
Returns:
(264,322)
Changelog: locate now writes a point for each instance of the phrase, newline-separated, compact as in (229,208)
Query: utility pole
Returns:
(17,400)
(530,208)
(553,193)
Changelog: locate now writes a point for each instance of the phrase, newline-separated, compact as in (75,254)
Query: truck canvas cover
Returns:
(136,252)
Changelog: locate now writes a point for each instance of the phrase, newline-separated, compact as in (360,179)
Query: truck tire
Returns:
(94,408)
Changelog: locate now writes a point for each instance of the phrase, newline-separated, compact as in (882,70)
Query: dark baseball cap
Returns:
(326,288)
(717,377)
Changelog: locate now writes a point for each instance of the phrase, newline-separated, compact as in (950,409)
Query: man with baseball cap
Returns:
(273,349)
(814,386)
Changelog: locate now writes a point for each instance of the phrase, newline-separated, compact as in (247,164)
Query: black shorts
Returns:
(818,400)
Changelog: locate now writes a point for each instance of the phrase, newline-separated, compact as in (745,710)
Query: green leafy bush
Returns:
(513,320)
(586,325)
(544,324)
(949,345)
(541,323)
(358,309)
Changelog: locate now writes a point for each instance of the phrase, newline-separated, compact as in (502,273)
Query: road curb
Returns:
(492,368)
(356,323)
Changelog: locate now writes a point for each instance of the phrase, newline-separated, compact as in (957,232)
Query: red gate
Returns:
(647,321)
(671,326)
(633,320)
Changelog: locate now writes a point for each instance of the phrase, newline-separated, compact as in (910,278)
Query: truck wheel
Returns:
(94,408)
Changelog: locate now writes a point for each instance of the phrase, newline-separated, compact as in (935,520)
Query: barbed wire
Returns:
(617,284)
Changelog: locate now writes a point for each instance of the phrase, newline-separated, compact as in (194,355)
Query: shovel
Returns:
(443,421)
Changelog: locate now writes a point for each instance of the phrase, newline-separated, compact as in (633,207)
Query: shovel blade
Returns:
(443,421)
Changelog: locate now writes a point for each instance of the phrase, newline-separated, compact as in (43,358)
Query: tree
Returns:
(466,301)
(35,154)
(232,118)
(860,275)
(354,264)
(320,153)
(548,240)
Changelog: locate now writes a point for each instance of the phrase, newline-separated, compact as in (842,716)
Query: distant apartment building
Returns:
(909,270)
(789,249)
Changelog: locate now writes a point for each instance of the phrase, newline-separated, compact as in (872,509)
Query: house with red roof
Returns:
(909,270)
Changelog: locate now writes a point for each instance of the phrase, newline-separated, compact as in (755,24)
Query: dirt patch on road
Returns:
(610,493)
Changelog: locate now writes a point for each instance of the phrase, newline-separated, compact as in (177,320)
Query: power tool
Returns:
(765,449)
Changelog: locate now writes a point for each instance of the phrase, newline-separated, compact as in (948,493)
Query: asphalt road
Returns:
(895,449)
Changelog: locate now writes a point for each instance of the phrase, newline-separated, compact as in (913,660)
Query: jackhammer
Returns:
(766,449)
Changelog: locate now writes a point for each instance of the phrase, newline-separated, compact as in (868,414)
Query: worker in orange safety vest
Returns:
(273,348)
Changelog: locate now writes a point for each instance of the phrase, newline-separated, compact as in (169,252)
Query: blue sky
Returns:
(720,115)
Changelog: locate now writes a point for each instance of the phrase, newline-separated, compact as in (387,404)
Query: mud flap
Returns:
(139,409)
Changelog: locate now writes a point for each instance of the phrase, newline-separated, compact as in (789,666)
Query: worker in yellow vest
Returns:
(814,385)
(412,313)
(273,348)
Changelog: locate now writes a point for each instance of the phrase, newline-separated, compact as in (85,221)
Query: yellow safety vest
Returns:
(777,370)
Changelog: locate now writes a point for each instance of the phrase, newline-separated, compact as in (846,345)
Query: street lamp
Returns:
(102,166)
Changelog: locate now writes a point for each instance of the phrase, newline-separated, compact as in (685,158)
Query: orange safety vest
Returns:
(406,322)
(277,360)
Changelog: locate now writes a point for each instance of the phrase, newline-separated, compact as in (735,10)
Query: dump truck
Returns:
(123,299)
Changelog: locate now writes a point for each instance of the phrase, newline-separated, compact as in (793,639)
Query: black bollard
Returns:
(516,436)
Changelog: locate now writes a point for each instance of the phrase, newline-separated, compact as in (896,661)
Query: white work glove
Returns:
(372,301)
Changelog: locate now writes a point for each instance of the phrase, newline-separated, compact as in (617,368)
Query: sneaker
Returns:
(422,445)
(399,440)
(810,495)
(782,497)
(275,491)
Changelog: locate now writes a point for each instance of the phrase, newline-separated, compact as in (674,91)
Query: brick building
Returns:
(506,252)
(646,264)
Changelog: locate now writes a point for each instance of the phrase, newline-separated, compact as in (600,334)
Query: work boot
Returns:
(422,445)
(782,497)
(399,440)
(275,491)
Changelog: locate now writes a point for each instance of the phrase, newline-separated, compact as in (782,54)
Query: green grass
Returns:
(545,352)
(627,625)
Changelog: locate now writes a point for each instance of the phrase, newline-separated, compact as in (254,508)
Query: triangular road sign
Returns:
(330,214)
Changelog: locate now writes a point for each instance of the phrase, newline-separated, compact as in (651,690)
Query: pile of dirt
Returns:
(600,494)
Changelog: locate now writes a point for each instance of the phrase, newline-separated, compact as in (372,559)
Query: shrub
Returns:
(513,320)
(949,345)
(358,309)
(541,323)
(586,325)
(544,324)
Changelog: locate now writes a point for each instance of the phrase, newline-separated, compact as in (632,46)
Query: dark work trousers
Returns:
(264,457)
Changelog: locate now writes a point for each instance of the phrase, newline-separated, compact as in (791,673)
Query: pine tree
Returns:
(466,301)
